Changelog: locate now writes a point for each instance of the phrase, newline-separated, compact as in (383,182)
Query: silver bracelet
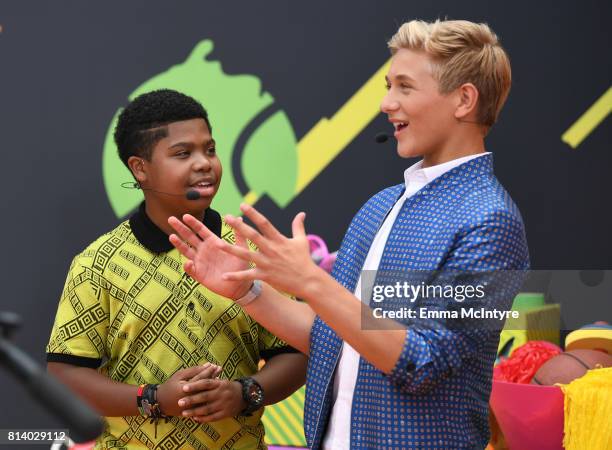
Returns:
(252,294)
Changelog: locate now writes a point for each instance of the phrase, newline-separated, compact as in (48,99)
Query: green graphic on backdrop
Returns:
(269,158)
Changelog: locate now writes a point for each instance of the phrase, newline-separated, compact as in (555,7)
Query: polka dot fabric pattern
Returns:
(437,395)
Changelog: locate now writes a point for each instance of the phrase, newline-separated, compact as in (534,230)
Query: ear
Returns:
(137,166)
(467,102)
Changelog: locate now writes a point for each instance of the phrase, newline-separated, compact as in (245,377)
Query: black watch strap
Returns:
(252,394)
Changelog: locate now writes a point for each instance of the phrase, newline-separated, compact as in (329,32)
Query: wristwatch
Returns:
(252,394)
(251,295)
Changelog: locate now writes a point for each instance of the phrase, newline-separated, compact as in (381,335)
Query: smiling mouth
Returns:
(203,184)
(399,126)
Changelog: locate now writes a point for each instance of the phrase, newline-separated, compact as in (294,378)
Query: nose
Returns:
(388,103)
(201,162)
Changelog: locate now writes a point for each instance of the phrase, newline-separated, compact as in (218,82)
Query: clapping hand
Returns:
(282,262)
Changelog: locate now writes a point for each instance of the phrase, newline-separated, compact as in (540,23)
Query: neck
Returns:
(159,215)
(459,144)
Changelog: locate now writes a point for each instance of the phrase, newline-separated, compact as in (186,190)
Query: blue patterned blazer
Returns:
(437,395)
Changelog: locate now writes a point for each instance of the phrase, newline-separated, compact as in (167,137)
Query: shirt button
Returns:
(190,306)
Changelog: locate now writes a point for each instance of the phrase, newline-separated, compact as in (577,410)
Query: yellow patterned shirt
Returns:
(129,310)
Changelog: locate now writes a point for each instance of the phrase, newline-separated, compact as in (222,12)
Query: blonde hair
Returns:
(462,52)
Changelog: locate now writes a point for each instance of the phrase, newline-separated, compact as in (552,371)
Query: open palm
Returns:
(206,259)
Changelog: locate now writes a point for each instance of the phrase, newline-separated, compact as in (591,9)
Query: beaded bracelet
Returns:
(148,406)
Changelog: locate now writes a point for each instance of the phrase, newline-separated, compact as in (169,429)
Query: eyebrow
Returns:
(191,144)
(400,77)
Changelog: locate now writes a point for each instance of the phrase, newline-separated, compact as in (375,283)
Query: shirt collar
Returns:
(417,174)
(154,239)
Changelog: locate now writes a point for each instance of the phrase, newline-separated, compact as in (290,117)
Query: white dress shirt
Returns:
(338,432)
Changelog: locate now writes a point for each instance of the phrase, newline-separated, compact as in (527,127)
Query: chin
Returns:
(197,207)
(201,203)
(405,150)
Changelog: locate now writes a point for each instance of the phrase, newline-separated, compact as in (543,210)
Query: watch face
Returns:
(255,393)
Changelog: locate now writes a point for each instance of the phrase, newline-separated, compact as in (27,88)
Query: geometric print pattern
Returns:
(138,317)
(436,397)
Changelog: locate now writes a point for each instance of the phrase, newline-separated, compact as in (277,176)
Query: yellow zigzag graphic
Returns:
(329,137)
(589,120)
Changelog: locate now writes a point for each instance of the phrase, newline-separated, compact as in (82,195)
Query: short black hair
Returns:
(141,124)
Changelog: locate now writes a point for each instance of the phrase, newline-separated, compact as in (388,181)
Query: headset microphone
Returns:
(381,138)
(191,194)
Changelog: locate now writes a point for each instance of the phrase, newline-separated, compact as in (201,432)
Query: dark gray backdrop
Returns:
(67,66)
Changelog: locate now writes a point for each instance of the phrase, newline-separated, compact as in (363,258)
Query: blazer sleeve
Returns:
(493,253)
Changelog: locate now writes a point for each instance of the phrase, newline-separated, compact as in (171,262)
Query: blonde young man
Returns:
(425,385)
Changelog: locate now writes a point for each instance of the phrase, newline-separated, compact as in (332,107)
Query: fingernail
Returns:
(185,413)
(185,388)
(181,402)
